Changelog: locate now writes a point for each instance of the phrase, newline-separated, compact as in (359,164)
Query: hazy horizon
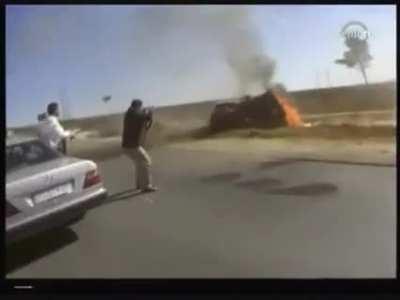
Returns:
(199,102)
(181,54)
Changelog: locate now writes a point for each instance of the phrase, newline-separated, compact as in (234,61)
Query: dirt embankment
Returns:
(179,118)
(349,114)
(358,98)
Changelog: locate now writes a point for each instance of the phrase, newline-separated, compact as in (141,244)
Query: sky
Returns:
(177,54)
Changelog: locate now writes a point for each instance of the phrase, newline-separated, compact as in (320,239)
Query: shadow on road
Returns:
(223,177)
(312,189)
(27,251)
(374,164)
(273,164)
(124,195)
(263,184)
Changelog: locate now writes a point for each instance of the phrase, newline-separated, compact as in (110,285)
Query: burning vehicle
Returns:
(272,109)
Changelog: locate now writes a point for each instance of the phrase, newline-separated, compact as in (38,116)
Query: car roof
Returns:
(16,139)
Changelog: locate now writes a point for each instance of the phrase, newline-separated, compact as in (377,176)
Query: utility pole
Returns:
(363,72)
(65,105)
(328,78)
(317,80)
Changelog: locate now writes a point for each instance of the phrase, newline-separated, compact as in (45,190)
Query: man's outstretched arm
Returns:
(60,130)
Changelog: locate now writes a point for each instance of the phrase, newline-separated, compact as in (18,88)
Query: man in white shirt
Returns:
(50,130)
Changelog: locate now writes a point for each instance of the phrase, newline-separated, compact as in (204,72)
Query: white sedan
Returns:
(45,189)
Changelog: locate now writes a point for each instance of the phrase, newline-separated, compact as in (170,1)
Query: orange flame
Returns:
(293,118)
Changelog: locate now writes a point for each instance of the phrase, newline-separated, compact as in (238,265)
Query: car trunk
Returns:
(34,185)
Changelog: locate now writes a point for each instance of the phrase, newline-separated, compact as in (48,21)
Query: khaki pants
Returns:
(142,162)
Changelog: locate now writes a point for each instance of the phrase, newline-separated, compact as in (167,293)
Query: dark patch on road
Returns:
(274,164)
(124,195)
(344,162)
(223,177)
(313,189)
(263,184)
(29,250)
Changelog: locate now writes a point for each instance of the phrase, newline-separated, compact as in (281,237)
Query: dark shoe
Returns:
(149,189)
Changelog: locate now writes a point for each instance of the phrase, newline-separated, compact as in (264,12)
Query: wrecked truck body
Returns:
(268,110)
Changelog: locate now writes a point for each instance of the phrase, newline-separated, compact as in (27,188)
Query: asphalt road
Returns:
(226,215)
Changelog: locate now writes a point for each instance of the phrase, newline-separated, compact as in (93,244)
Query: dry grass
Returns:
(322,132)
(328,132)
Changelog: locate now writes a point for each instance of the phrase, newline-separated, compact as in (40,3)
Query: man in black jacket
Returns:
(136,122)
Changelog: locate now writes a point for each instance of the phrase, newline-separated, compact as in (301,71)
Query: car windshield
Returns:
(28,154)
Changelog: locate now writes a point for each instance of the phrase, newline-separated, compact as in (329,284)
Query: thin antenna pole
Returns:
(328,78)
(364,73)
(318,79)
